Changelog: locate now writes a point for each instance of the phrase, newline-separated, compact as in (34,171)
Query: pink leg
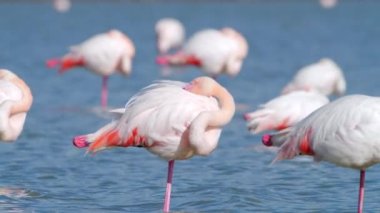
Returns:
(361,191)
(104,92)
(168,186)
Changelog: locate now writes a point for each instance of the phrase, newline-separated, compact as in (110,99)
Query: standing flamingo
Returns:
(173,120)
(284,111)
(214,51)
(324,76)
(170,34)
(344,132)
(15,101)
(103,54)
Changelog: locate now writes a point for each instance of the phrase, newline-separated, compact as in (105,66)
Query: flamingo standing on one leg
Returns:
(170,34)
(324,76)
(284,111)
(344,132)
(173,120)
(103,54)
(214,51)
(15,101)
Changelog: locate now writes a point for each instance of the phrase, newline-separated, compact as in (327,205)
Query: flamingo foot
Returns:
(266,140)
(80,141)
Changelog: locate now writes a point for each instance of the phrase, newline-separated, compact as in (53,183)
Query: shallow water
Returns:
(43,172)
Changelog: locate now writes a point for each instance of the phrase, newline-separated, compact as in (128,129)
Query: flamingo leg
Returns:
(361,191)
(104,95)
(168,186)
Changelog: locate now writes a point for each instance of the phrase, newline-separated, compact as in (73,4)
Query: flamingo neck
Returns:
(26,102)
(202,144)
(227,108)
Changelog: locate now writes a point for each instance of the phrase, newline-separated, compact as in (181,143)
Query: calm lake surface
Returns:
(43,172)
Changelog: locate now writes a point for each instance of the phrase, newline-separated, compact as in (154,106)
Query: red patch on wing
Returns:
(283,125)
(192,60)
(68,63)
(135,139)
(305,146)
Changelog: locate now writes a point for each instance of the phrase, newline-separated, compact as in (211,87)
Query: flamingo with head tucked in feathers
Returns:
(325,76)
(170,34)
(15,102)
(284,111)
(103,54)
(214,51)
(344,132)
(171,119)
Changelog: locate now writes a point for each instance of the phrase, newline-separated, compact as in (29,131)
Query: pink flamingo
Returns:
(173,120)
(103,54)
(344,132)
(324,76)
(328,4)
(284,111)
(170,34)
(15,101)
(214,51)
(62,6)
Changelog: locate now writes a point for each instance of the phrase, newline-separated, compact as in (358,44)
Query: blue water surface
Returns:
(43,172)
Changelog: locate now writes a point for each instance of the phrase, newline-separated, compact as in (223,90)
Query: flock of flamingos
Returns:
(178,120)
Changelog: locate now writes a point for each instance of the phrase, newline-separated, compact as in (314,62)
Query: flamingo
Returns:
(62,6)
(214,51)
(344,132)
(170,34)
(284,111)
(173,120)
(102,54)
(15,101)
(328,4)
(324,76)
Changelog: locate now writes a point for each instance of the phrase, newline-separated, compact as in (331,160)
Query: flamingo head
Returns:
(7,75)
(205,86)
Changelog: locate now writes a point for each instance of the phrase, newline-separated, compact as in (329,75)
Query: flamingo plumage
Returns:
(284,111)
(15,102)
(324,76)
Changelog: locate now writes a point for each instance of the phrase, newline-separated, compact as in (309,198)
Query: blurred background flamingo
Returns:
(62,6)
(284,111)
(103,54)
(15,102)
(214,51)
(170,34)
(325,76)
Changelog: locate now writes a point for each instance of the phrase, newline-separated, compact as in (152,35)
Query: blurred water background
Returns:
(43,172)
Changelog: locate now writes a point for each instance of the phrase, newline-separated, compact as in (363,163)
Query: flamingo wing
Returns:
(285,111)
